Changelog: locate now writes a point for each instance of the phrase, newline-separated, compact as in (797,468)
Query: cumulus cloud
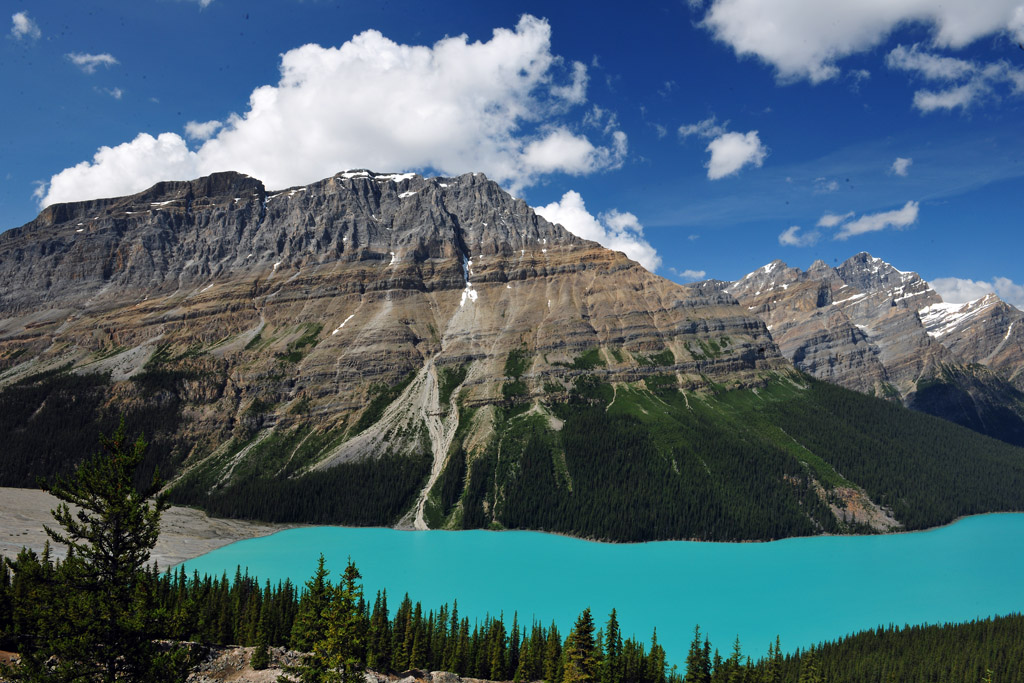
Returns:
(901,166)
(618,230)
(126,168)
(202,131)
(803,39)
(872,222)
(732,151)
(965,81)
(88,63)
(562,150)
(791,237)
(496,106)
(22,26)
(957,290)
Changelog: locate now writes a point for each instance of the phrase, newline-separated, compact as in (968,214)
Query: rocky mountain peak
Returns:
(869,326)
(312,300)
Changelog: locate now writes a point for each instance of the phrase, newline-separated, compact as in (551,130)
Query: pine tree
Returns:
(580,654)
(261,655)
(611,665)
(104,621)
(809,668)
(553,656)
(773,665)
(698,666)
(308,626)
(342,649)
(655,661)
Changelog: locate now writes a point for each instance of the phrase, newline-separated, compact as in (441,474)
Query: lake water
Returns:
(805,589)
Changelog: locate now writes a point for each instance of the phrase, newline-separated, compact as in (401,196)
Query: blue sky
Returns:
(703,138)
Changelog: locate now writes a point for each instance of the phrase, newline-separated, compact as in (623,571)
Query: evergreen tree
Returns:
(580,653)
(261,655)
(104,621)
(809,672)
(553,656)
(611,665)
(735,670)
(308,627)
(342,648)
(655,661)
(698,665)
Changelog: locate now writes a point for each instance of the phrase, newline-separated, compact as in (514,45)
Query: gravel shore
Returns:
(184,533)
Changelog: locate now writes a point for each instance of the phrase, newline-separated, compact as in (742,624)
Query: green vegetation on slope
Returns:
(371,492)
(49,421)
(927,470)
(640,462)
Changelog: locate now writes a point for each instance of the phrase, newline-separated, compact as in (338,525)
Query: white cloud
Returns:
(689,274)
(88,63)
(496,106)
(901,166)
(616,230)
(791,237)
(960,96)
(957,290)
(825,186)
(732,151)
(705,129)
(126,168)
(22,26)
(195,130)
(966,81)
(803,39)
(930,66)
(561,150)
(898,218)
(831,220)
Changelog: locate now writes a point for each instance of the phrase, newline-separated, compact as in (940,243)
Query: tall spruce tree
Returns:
(698,663)
(580,653)
(611,665)
(103,622)
(342,649)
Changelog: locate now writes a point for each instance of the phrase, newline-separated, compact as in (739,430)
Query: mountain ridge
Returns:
(429,352)
(868,326)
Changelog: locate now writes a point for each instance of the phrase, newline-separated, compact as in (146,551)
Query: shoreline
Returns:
(187,533)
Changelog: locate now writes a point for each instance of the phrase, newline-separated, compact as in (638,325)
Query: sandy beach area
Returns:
(184,533)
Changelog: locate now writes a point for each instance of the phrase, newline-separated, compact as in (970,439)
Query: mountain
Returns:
(870,327)
(393,349)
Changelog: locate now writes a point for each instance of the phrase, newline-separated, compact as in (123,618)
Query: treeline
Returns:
(242,611)
(989,650)
(49,420)
(371,492)
(927,470)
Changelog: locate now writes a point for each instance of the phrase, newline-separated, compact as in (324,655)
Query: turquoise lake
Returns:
(805,589)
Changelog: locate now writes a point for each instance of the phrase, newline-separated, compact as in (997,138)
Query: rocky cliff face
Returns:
(262,309)
(870,327)
(988,331)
